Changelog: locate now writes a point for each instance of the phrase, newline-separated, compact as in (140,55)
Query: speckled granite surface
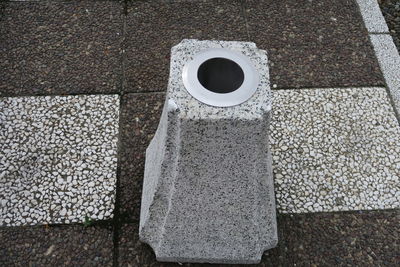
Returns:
(192,109)
(202,200)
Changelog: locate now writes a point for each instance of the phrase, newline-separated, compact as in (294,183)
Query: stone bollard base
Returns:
(208,189)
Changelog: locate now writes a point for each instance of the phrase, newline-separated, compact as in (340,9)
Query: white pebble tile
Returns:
(44,142)
(335,150)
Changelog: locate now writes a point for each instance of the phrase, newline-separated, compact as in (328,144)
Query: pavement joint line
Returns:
(372,16)
(117,221)
(116,217)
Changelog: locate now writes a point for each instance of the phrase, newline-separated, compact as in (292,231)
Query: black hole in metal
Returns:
(220,75)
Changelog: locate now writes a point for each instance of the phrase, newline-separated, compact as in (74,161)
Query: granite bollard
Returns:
(208,191)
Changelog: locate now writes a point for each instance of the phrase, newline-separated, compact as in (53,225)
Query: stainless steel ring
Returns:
(238,96)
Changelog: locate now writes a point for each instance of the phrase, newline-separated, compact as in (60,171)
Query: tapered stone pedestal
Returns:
(208,190)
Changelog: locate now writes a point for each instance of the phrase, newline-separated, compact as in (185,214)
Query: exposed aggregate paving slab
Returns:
(66,245)
(313,43)
(343,239)
(153,27)
(321,66)
(288,23)
(132,252)
(320,239)
(335,150)
(140,114)
(60,48)
(58,158)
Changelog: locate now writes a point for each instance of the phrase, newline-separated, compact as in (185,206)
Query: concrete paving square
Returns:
(313,44)
(66,245)
(335,150)
(339,239)
(153,27)
(51,47)
(58,158)
(140,115)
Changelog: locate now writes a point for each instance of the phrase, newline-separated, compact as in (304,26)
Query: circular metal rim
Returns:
(240,95)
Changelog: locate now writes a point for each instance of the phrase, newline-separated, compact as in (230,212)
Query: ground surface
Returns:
(391,11)
(103,47)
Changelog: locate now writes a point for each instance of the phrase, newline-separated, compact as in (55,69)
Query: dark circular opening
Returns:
(220,75)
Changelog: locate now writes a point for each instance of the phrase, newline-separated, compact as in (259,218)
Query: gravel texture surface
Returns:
(389,61)
(140,114)
(60,48)
(335,150)
(67,245)
(372,16)
(153,27)
(58,158)
(319,239)
(391,12)
(313,43)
